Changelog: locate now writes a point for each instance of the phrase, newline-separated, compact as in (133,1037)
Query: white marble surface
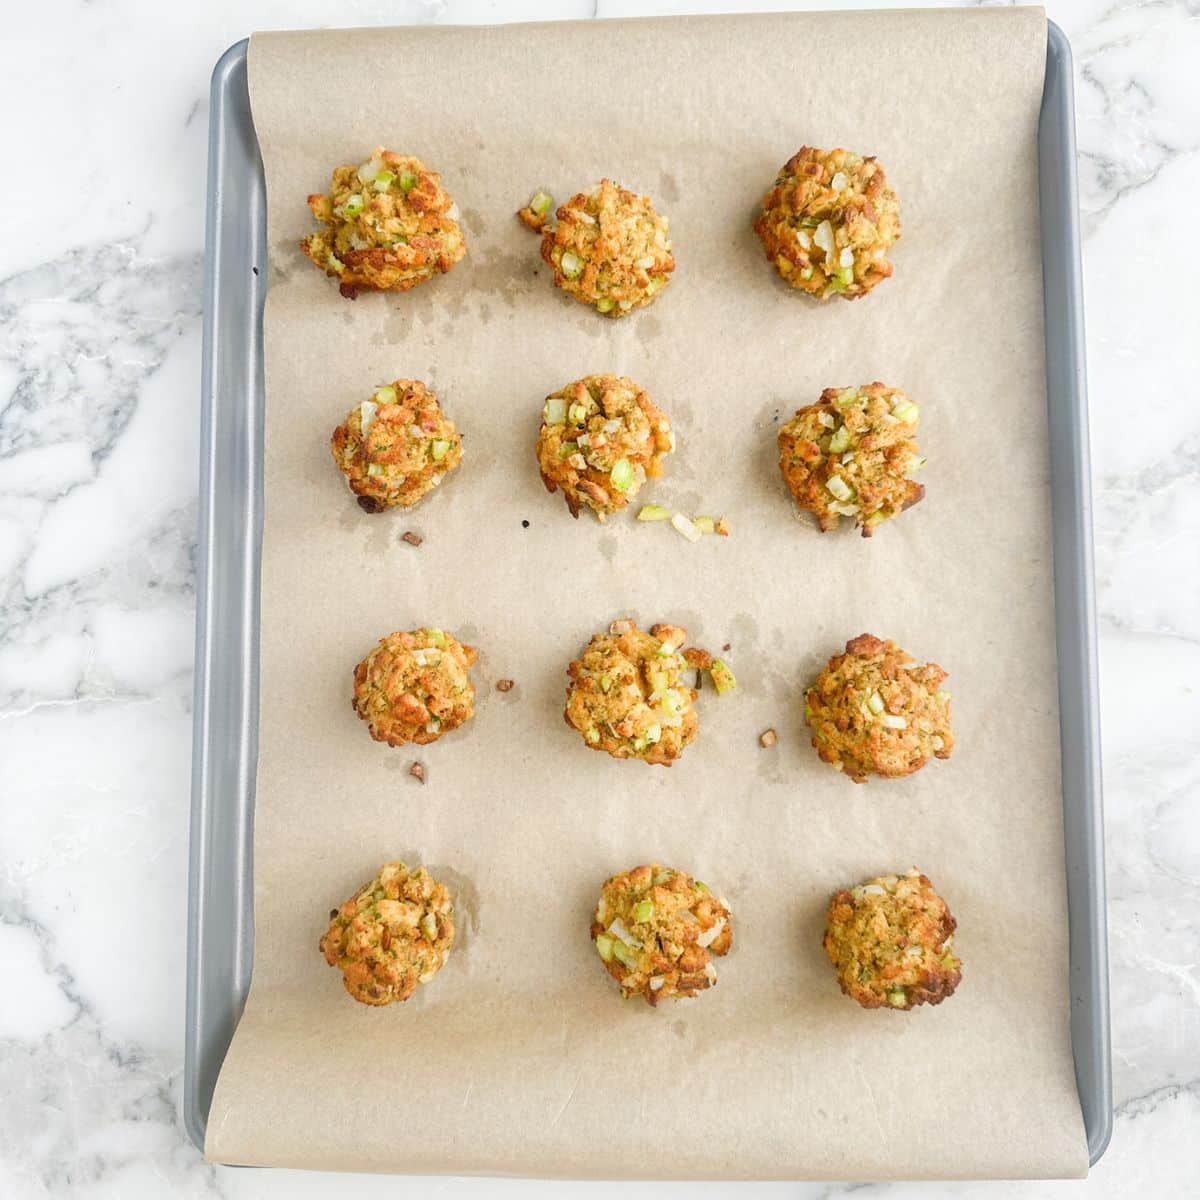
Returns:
(105,119)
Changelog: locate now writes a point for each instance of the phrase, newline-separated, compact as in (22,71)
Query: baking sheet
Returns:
(520,1058)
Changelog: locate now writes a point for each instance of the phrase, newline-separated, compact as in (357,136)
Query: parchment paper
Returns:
(521,1057)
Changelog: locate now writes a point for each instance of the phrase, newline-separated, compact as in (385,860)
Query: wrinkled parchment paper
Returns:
(521,1057)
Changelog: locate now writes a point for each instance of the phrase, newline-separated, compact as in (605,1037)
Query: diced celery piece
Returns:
(907,411)
(353,206)
(439,449)
(622,953)
(566,449)
(653,512)
(604,944)
(840,442)
(606,683)
(622,475)
(555,412)
(571,264)
(722,677)
(897,999)
(383,181)
(386,395)
(643,912)
(848,397)
(705,524)
(437,637)
(652,735)
(374,469)
(701,886)
(577,413)
(605,304)
(429,926)
(541,202)
(408,181)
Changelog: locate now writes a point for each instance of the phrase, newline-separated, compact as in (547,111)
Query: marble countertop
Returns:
(100,311)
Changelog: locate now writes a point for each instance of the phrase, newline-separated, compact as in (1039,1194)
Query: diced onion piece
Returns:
(656,982)
(645,263)
(672,704)
(604,945)
(369,170)
(374,469)
(653,512)
(917,462)
(368,410)
(823,236)
(383,181)
(438,449)
(353,206)
(843,510)
(622,475)
(619,929)
(684,526)
(943,695)
(429,926)
(624,305)
(653,735)
(827,419)
(643,912)
(839,488)
(722,677)
(873,889)
(937,742)
(708,936)
(875,703)
(840,440)
(710,972)
(889,721)
(839,182)
(452,211)
(540,204)
(846,258)
(804,238)
(705,524)
(555,412)
(571,264)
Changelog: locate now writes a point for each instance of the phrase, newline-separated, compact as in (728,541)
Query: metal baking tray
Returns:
(225,742)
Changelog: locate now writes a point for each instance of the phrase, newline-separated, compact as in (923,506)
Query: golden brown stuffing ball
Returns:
(389,225)
(395,933)
(875,711)
(890,940)
(415,687)
(828,223)
(601,438)
(657,929)
(396,447)
(609,249)
(848,455)
(626,696)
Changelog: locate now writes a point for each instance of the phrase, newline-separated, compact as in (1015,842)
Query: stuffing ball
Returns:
(415,687)
(890,940)
(601,438)
(657,930)
(848,455)
(394,934)
(875,711)
(626,696)
(396,447)
(389,225)
(609,249)
(828,223)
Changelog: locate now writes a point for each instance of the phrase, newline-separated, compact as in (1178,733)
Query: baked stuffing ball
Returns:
(415,687)
(389,225)
(626,696)
(609,249)
(396,447)
(657,929)
(875,711)
(601,438)
(828,223)
(890,940)
(848,456)
(395,933)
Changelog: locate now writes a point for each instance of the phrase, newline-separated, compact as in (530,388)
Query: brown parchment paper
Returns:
(521,1057)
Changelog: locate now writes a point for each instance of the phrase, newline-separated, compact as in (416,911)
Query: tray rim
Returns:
(1073,574)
